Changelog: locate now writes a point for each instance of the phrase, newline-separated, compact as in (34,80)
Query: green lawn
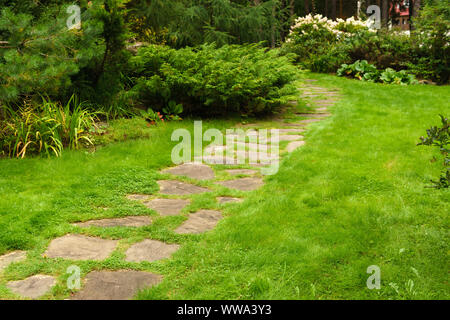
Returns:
(352,197)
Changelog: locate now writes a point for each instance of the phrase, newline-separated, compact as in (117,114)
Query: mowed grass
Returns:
(352,197)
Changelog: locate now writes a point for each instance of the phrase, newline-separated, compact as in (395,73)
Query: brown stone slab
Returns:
(243,184)
(228,200)
(192,170)
(291,137)
(167,207)
(235,172)
(294,145)
(32,287)
(79,247)
(133,221)
(150,250)
(199,222)
(179,188)
(291,130)
(12,257)
(116,285)
(310,121)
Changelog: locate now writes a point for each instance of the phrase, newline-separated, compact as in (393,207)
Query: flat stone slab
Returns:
(15,256)
(291,124)
(199,222)
(217,159)
(150,250)
(167,207)
(291,137)
(243,184)
(325,101)
(137,197)
(314,115)
(134,221)
(323,109)
(32,287)
(179,188)
(192,170)
(310,120)
(290,130)
(235,172)
(115,285)
(294,145)
(228,199)
(79,247)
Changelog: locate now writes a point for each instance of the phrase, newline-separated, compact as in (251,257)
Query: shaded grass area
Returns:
(352,197)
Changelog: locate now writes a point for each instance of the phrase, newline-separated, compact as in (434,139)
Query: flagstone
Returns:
(199,222)
(12,257)
(192,170)
(32,287)
(243,184)
(115,285)
(294,145)
(167,207)
(291,137)
(228,200)
(179,188)
(310,120)
(79,247)
(150,250)
(235,172)
(132,221)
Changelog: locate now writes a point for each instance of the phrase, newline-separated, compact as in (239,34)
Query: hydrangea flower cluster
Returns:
(339,28)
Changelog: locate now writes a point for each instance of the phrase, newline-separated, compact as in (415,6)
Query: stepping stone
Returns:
(228,200)
(235,172)
(116,285)
(15,256)
(290,130)
(291,124)
(79,247)
(310,120)
(294,145)
(324,101)
(215,149)
(291,137)
(134,221)
(137,197)
(192,170)
(310,80)
(257,156)
(199,222)
(32,287)
(323,109)
(167,207)
(314,115)
(244,184)
(219,160)
(179,188)
(150,250)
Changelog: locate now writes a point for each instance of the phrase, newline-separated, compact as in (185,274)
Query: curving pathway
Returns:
(123,284)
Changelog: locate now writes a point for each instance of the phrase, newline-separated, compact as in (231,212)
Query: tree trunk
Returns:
(414,9)
(334,9)
(307,7)
(385,13)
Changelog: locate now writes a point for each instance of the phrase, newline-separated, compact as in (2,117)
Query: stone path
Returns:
(173,199)
(138,221)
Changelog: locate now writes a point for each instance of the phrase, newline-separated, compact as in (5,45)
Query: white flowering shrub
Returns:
(316,41)
(322,28)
